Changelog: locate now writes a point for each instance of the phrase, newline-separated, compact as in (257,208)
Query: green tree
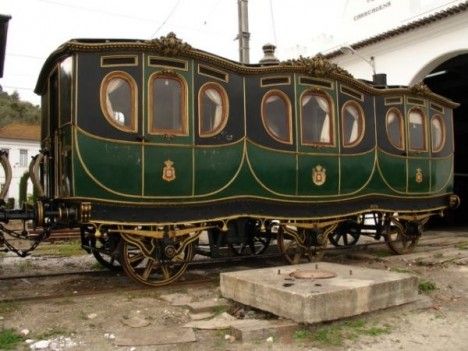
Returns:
(13,110)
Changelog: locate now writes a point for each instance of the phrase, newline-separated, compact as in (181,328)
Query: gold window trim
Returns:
(442,125)
(133,97)
(201,66)
(424,130)
(135,62)
(327,84)
(402,128)
(389,102)
(351,92)
(317,92)
(183,105)
(265,79)
(285,99)
(184,62)
(362,121)
(225,107)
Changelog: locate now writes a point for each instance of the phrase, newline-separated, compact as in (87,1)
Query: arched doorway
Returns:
(450,79)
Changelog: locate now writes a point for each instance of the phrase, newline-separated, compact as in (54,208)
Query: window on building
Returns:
(394,124)
(168,111)
(23,160)
(119,100)
(276,116)
(213,109)
(317,120)
(417,130)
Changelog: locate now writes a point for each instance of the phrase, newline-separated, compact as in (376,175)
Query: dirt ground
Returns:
(115,314)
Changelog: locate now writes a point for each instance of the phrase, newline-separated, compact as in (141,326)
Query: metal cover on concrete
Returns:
(353,291)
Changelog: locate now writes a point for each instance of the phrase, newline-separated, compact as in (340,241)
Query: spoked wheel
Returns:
(297,244)
(347,234)
(106,252)
(255,243)
(402,238)
(161,261)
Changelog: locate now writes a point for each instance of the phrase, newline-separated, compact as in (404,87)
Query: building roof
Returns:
(435,17)
(31,132)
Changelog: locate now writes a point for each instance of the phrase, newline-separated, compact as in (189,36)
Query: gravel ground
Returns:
(115,310)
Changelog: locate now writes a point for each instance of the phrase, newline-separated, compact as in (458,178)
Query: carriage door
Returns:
(418,170)
(168,128)
(318,167)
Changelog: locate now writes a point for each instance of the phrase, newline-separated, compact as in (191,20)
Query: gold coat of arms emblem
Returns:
(168,171)
(419,175)
(319,175)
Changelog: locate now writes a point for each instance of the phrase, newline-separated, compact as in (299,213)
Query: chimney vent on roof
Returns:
(269,55)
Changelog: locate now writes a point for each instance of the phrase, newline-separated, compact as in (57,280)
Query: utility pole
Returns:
(244,35)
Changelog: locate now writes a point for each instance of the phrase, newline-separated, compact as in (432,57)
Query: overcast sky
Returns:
(297,27)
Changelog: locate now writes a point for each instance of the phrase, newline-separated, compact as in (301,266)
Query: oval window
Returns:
(352,120)
(437,133)
(168,113)
(317,119)
(417,130)
(119,100)
(276,116)
(212,109)
(394,126)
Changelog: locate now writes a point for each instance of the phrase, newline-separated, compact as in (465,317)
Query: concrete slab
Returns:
(154,336)
(353,291)
(255,329)
(207,305)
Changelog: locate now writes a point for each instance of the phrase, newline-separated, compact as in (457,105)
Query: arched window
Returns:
(437,133)
(395,131)
(417,130)
(119,100)
(352,123)
(317,119)
(276,116)
(212,109)
(167,105)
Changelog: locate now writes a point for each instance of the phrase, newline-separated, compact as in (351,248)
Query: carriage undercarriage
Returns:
(159,255)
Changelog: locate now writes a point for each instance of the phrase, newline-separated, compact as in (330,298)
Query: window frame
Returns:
(133,100)
(424,149)
(285,98)
(183,105)
(225,108)
(444,133)
(362,120)
(320,93)
(402,128)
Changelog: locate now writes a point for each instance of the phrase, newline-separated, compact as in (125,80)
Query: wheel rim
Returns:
(296,248)
(106,251)
(155,267)
(397,239)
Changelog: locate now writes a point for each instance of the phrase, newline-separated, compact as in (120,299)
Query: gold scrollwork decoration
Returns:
(420,89)
(318,66)
(170,45)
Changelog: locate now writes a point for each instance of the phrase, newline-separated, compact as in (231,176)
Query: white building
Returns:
(21,142)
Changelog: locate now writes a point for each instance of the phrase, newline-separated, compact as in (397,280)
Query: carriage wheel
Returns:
(401,238)
(256,245)
(106,253)
(347,234)
(297,245)
(161,261)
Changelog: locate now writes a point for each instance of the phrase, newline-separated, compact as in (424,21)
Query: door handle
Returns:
(141,138)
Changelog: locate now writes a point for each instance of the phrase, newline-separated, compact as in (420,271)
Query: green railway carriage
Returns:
(155,141)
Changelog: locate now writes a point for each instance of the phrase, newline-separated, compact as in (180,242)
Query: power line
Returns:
(167,18)
(26,56)
(273,22)
(89,9)
(18,88)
